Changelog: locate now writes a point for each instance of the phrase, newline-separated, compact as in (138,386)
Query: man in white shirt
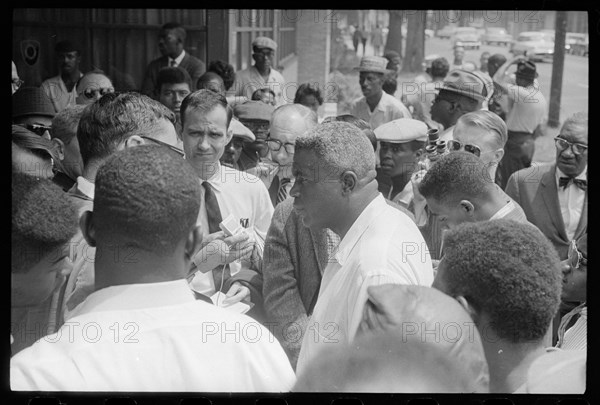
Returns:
(142,329)
(205,119)
(288,122)
(335,188)
(376,106)
(260,75)
(61,89)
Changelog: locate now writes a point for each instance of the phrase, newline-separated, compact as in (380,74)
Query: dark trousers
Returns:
(518,153)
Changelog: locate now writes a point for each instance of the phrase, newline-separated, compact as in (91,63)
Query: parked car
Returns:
(536,45)
(466,37)
(576,43)
(496,35)
(446,32)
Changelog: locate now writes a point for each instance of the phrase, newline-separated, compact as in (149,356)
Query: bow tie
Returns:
(565,181)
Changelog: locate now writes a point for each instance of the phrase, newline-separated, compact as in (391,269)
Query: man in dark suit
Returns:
(554,196)
(170,44)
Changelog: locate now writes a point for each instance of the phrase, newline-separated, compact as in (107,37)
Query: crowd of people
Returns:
(207,234)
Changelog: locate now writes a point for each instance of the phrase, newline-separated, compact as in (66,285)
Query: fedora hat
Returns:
(375,64)
(468,84)
(526,69)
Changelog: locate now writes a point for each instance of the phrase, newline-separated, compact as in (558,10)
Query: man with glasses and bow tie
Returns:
(288,122)
(554,196)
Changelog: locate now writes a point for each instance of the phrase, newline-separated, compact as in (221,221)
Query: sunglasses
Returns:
(456,146)
(173,148)
(92,93)
(37,129)
(563,144)
(575,257)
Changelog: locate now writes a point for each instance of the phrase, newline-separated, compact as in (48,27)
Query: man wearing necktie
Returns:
(288,122)
(554,196)
(205,118)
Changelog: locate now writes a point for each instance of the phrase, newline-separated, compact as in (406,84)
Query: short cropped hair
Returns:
(488,121)
(576,123)
(96,71)
(64,123)
(456,176)
(308,89)
(359,123)
(390,84)
(206,78)
(115,117)
(341,147)
(43,219)
(440,67)
(205,101)
(508,270)
(149,196)
(177,28)
(310,117)
(172,75)
(223,69)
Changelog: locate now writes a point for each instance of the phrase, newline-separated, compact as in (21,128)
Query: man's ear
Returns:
(468,307)
(86,223)
(349,181)
(467,207)
(498,155)
(134,140)
(194,242)
(59,147)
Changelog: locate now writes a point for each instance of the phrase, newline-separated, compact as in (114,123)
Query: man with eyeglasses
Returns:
(92,86)
(261,74)
(288,122)
(554,196)
(61,89)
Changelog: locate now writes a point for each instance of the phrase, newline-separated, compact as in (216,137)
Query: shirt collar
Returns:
(136,296)
(217,178)
(86,187)
(359,226)
(581,176)
(177,59)
(502,212)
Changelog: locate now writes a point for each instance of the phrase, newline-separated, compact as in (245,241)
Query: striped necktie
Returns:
(282,193)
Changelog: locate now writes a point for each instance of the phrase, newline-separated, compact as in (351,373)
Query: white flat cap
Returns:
(239,129)
(402,130)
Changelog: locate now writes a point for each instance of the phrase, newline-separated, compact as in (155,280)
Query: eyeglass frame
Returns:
(173,148)
(285,145)
(558,139)
(465,146)
(99,91)
(581,261)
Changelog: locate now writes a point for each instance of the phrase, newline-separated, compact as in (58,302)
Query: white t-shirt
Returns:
(154,337)
(527,108)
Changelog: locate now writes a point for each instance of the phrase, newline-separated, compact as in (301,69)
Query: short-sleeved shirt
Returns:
(527,108)
(57,92)
(249,80)
(388,109)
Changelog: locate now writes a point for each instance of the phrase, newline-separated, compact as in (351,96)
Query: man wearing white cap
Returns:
(401,141)
(261,74)
(375,106)
(233,149)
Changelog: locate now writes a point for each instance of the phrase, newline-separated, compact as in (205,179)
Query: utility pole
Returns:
(557,69)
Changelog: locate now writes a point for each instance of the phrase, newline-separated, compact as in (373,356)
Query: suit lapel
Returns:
(550,196)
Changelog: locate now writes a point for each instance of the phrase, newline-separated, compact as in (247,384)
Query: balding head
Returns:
(288,122)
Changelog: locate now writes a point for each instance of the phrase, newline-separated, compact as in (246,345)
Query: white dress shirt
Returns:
(388,109)
(246,197)
(571,202)
(154,337)
(177,59)
(383,246)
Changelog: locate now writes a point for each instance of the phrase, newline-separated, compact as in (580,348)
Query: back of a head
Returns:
(147,196)
(64,124)
(435,340)
(223,69)
(114,118)
(205,101)
(457,176)
(488,121)
(208,81)
(340,146)
(390,84)
(494,62)
(173,75)
(43,219)
(508,270)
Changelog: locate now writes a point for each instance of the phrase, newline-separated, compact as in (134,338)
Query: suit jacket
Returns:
(536,191)
(194,66)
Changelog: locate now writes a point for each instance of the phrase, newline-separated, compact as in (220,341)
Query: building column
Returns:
(313,45)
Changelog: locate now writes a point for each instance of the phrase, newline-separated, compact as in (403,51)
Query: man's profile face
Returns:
(205,136)
(316,191)
(68,61)
(480,137)
(569,163)
(168,43)
(449,214)
(172,94)
(371,83)
(397,158)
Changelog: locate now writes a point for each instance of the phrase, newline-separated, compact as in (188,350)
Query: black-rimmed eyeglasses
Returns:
(456,146)
(563,144)
(276,145)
